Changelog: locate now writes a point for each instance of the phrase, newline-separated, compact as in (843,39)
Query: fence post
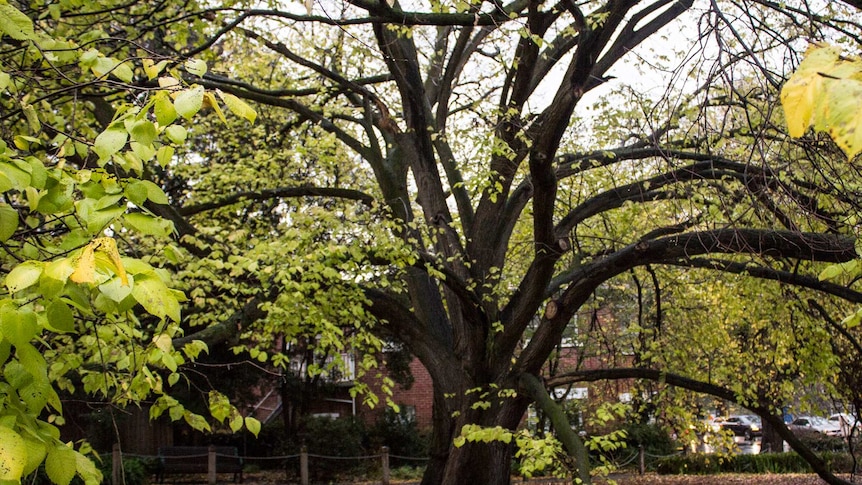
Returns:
(116,464)
(303,465)
(211,465)
(641,466)
(384,455)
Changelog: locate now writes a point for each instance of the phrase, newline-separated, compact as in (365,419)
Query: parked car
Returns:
(746,425)
(817,423)
(844,422)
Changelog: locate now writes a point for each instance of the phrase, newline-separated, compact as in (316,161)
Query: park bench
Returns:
(184,460)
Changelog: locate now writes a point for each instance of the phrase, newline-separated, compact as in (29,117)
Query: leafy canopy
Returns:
(76,311)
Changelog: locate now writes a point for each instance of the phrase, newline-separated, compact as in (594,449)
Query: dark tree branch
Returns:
(766,273)
(570,439)
(764,243)
(277,193)
(765,412)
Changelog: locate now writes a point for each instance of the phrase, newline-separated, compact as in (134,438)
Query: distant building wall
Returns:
(418,399)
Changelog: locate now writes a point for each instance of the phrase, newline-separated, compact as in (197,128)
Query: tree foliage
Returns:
(77,312)
(421,172)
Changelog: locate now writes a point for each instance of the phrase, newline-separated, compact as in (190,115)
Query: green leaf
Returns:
(189,101)
(116,290)
(142,151)
(238,106)
(88,59)
(13,455)
(176,134)
(164,155)
(155,193)
(123,72)
(20,178)
(15,24)
(235,423)
(36,395)
(164,109)
(32,118)
(163,342)
(24,275)
(61,464)
(136,192)
(59,269)
(110,142)
(8,221)
(152,293)
(196,67)
(32,360)
(36,452)
(831,272)
(143,132)
(87,470)
(152,69)
(147,224)
(60,316)
(253,425)
(103,66)
(196,421)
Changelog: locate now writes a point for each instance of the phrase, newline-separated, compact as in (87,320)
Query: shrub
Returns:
(399,432)
(704,464)
(818,441)
(341,437)
(654,438)
(407,472)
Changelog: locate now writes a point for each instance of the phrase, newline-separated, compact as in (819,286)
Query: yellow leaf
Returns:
(800,92)
(238,106)
(842,114)
(85,266)
(108,246)
(105,248)
(150,69)
(826,92)
(210,100)
(163,342)
(13,455)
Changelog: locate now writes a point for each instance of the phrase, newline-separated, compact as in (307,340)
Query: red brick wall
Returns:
(420,396)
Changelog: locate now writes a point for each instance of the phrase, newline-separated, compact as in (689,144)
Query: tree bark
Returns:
(771,441)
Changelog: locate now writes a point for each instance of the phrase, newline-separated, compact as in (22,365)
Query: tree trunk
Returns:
(771,442)
(441,441)
(477,462)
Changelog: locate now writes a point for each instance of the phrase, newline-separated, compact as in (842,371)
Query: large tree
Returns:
(425,172)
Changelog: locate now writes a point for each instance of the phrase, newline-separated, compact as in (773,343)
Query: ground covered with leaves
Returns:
(722,479)
(270,478)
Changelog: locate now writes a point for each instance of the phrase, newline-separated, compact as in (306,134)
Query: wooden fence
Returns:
(212,471)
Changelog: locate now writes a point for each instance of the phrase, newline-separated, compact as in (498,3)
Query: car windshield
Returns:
(818,421)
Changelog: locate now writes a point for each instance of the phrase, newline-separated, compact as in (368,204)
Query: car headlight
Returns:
(754,427)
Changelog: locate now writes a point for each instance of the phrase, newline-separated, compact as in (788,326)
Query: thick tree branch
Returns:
(277,193)
(766,273)
(765,243)
(228,329)
(766,413)
(570,439)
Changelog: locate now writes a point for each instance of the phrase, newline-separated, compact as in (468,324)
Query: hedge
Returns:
(706,464)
